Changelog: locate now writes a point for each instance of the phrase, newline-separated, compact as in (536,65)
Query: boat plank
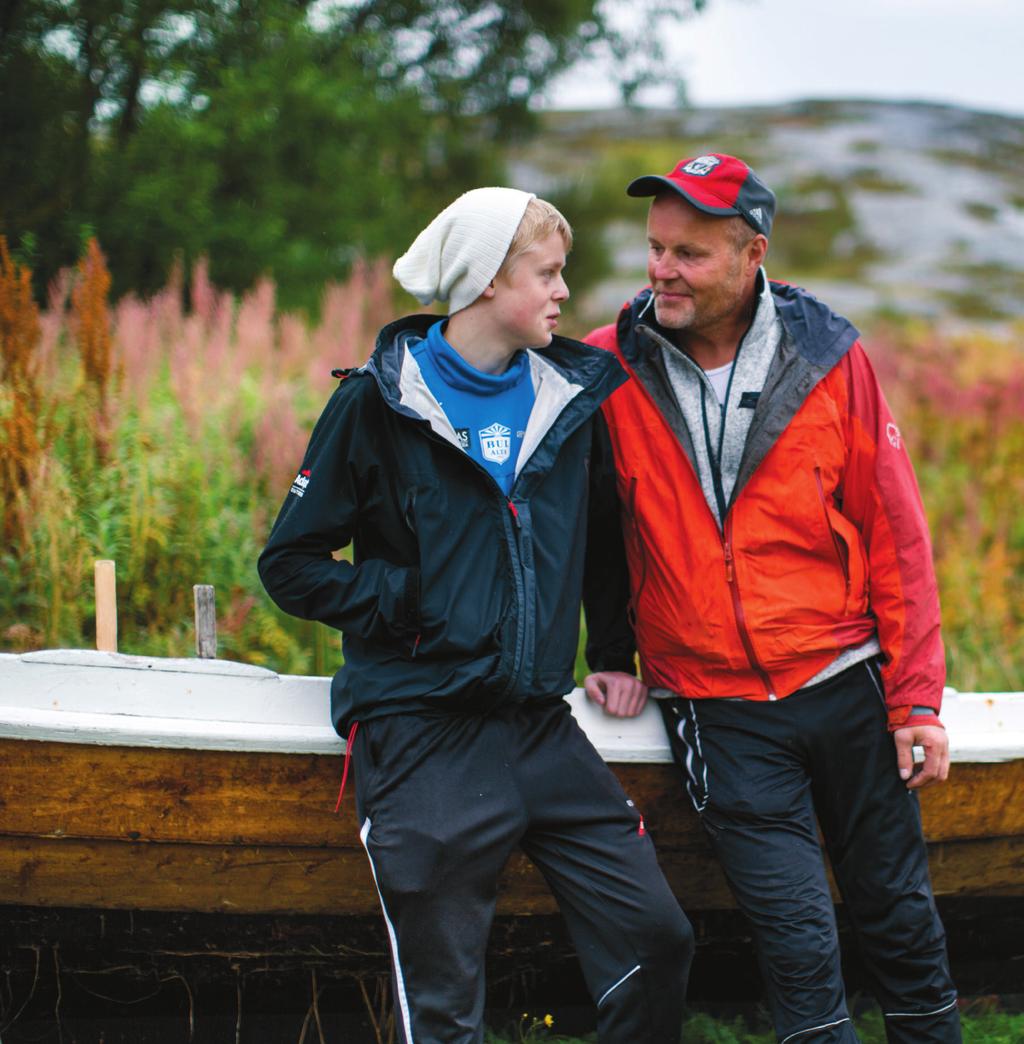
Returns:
(992,867)
(205,878)
(980,799)
(173,795)
(295,880)
(244,797)
(215,878)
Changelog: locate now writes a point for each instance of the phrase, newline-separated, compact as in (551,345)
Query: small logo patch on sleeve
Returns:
(300,482)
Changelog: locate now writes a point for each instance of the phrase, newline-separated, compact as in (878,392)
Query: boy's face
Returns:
(527,300)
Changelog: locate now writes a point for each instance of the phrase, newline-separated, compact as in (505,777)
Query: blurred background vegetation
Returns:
(283,137)
(201,204)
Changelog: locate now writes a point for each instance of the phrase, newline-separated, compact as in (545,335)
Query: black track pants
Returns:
(758,773)
(443,802)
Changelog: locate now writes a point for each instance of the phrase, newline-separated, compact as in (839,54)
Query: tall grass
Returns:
(165,437)
(21,418)
(959,400)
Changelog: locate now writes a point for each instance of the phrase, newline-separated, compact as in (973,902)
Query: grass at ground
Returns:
(983,1023)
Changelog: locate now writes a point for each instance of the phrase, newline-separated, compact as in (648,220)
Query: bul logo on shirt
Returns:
(495,442)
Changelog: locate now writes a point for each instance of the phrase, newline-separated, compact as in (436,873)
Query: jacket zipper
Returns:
(843,563)
(737,606)
(519,594)
(730,576)
(511,543)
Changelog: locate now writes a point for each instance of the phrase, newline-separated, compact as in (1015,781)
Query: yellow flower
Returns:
(549,1021)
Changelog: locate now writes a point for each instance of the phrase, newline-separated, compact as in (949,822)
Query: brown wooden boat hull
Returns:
(184,830)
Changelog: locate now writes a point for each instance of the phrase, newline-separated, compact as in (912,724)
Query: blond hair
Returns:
(540,220)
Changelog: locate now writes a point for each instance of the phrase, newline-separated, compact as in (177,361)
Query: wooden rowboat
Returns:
(133,782)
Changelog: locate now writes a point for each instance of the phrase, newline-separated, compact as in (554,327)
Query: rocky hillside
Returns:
(902,209)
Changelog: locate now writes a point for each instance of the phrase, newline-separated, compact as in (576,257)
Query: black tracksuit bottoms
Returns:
(759,773)
(443,800)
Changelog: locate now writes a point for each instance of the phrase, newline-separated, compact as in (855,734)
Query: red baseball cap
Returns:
(717,184)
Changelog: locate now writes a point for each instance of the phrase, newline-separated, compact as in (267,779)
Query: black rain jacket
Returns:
(458,599)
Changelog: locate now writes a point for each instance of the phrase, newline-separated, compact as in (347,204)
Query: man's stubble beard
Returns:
(709,307)
(673,321)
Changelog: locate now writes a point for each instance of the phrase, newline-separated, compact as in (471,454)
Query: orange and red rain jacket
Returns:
(824,540)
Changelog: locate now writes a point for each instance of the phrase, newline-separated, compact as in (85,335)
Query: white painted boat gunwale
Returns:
(83,696)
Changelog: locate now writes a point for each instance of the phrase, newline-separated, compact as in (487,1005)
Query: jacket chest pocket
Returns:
(423,508)
(847,546)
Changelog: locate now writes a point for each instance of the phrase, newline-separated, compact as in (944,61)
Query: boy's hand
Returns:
(621,695)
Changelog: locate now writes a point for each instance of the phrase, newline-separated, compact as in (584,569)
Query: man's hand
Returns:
(935,742)
(621,695)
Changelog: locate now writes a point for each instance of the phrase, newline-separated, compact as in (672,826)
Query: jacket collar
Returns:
(814,340)
(596,370)
(820,336)
(571,380)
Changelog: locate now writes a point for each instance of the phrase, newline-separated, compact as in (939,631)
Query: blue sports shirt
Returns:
(489,412)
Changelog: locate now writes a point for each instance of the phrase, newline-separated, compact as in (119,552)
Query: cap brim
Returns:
(652,184)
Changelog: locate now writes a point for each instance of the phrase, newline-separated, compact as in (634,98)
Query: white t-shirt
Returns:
(719,378)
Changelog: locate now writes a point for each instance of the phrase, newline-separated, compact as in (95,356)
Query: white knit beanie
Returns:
(460,251)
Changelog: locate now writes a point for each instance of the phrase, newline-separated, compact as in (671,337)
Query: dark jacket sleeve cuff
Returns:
(611,661)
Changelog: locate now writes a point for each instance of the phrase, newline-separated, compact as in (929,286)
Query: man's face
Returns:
(528,299)
(700,277)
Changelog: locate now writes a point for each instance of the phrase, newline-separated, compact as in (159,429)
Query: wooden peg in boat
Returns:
(206,621)
(106,606)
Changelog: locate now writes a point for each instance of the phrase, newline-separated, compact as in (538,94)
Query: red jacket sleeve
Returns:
(881,497)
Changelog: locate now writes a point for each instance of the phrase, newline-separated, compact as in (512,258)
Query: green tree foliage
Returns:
(278,136)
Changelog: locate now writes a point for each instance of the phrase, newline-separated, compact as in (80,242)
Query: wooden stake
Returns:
(106,606)
(206,621)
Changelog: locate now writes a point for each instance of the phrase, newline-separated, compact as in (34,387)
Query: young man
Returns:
(460,462)
(784,602)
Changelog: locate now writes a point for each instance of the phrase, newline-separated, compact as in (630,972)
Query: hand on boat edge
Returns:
(620,694)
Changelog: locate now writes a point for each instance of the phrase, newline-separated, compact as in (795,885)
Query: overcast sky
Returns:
(968,52)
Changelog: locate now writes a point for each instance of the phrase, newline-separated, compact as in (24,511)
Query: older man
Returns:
(783,602)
